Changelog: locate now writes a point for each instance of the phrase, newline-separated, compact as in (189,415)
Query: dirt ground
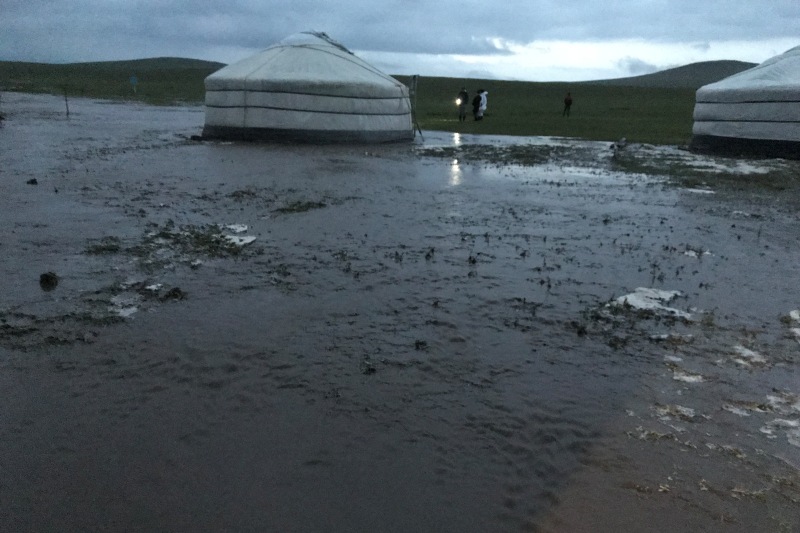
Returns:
(464,333)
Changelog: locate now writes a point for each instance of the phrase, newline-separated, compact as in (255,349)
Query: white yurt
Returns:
(307,88)
(753,113)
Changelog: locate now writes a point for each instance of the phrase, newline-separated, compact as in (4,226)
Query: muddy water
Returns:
(412,342)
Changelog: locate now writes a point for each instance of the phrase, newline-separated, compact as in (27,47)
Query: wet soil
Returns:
(437,336)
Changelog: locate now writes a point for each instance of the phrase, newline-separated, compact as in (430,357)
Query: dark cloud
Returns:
(635,67)
(86,30)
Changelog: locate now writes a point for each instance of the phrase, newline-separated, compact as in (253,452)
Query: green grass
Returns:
(599,112)
(160,81)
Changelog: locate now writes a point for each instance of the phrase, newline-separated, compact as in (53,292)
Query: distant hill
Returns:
(692,76)
(151,64)
(36,77)
(160,80)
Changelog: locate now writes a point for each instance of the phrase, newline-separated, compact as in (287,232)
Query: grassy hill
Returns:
(691,76)
(160,80)
(655,108)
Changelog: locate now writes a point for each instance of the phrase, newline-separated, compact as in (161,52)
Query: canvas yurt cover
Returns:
(753,113)
(308,88)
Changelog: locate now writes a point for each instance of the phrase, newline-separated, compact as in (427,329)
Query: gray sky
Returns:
(538,40)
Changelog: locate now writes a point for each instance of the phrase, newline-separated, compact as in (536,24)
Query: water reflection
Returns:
(455,172)
(456,140)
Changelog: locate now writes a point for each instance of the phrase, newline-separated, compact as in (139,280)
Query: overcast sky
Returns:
(537,40)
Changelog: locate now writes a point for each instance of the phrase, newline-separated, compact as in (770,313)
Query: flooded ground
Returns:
(462,334)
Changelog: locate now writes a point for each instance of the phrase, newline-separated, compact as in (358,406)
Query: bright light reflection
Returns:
(456,139)
(455,172)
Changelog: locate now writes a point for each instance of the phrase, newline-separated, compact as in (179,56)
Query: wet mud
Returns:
(465,333)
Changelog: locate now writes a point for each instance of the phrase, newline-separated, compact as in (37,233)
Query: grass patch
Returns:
(106,245)
(719,173)
(188,240)
(513,154)
(300,206)
(599,112)
(244,194)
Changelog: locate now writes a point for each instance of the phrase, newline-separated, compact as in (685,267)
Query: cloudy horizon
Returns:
(544,40)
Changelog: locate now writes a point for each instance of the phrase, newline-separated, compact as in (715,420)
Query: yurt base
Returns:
(738,147)
(228,133)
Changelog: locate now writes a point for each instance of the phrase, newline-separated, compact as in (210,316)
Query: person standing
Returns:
(463,100)
(476,105)
(484,102)
(567,105)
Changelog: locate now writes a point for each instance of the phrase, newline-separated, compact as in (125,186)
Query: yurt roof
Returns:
(776,79)
(310,62)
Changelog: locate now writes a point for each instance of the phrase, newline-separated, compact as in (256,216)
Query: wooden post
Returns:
(413,91)
(66,102)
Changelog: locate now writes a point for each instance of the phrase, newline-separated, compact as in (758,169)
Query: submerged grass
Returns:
(771,176)
(166,244)
(106,245)
(512,154)
(776,178)
(189,240)
(300,206)
(21,331)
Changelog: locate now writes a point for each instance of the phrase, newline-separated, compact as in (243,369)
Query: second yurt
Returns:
(753,113)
